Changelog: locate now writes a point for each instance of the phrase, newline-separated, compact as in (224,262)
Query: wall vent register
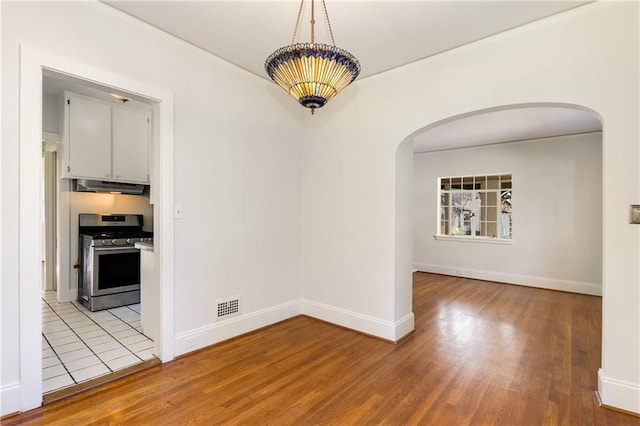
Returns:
(228,307)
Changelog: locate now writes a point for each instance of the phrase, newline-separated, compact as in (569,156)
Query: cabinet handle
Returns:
(68,169)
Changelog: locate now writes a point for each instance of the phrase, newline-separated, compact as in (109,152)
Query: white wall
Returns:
(586,57)
(557,217)
(236,161)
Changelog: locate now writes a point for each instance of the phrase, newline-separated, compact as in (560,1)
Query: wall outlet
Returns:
(191,342)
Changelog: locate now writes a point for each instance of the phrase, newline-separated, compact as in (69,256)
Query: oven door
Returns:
(114,270)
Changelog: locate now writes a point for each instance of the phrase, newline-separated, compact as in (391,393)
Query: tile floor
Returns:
(80,345)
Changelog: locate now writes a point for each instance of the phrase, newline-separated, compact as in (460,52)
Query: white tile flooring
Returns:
(80,345)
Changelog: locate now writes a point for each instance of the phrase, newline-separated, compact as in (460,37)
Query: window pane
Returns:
(443,205)
(481,182)
(456,183)
(505,215)
(505,182)
(467,183)
(492,199)
(492,229)
(493,182)
(445,183)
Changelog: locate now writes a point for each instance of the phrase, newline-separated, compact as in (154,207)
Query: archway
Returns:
(462,137)
(561,199)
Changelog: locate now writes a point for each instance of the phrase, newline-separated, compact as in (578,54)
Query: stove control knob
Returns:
(128,240)
(113,242)
(104,242)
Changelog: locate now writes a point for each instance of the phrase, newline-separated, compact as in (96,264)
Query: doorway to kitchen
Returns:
(33,65)
(81,343)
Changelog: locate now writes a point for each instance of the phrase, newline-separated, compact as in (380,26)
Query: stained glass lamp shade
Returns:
(312,72)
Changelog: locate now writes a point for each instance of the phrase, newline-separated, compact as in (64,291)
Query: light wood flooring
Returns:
(482,353)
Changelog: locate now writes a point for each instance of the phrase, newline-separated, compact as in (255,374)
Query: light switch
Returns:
(177,214)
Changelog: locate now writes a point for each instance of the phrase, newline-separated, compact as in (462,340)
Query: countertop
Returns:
(145,246)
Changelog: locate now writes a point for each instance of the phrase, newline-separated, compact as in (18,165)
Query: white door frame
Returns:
(32,64)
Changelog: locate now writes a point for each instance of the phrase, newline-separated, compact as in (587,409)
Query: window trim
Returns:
(471,239)
(468,238)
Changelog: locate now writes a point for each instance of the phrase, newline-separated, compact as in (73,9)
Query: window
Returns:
(476,207)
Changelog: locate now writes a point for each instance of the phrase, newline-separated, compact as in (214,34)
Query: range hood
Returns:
(86,185)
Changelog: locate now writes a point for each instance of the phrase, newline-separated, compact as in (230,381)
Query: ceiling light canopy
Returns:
(312,72)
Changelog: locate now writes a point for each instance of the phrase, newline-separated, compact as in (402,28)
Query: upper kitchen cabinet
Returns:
(130,144)
(104,141)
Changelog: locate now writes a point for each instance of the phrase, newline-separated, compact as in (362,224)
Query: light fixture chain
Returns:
(313,21)
(295,30)
(326,16)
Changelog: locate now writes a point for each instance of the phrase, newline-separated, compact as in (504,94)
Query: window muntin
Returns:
(476,206)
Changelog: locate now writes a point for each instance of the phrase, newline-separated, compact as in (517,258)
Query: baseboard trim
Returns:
(10,399)
(618,394)
(223,330)
(592,289)
(597,394)
(386,330)
(220,331)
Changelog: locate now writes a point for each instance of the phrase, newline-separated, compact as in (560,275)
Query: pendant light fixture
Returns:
(312,72)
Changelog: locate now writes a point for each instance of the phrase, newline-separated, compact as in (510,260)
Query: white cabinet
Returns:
(130,144)
(89,145)
(149,292)
(105,141)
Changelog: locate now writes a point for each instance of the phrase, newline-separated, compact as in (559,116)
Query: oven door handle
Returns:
(115,248)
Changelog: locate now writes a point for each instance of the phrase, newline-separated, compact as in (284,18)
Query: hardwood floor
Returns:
(482,353)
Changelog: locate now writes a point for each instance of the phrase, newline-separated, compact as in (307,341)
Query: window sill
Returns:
(484,240)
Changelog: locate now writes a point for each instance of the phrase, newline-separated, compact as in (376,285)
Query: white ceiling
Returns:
(383,35)
(510,125)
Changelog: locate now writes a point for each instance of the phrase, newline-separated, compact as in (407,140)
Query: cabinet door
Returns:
(89,139)
(130,145)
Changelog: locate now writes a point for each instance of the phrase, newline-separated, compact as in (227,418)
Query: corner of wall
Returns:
(619,394)
(217,332)
(386,330)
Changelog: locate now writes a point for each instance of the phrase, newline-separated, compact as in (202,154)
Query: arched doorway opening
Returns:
(534,143)
(556,166)
(553,154)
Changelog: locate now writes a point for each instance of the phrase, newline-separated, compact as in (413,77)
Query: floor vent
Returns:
(227,307)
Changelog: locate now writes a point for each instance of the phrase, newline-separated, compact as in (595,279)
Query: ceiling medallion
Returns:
(312,72)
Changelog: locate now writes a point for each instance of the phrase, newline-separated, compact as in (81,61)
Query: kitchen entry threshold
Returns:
(82,349)
(98,381)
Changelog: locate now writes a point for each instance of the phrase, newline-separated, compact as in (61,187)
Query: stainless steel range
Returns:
(109,262)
